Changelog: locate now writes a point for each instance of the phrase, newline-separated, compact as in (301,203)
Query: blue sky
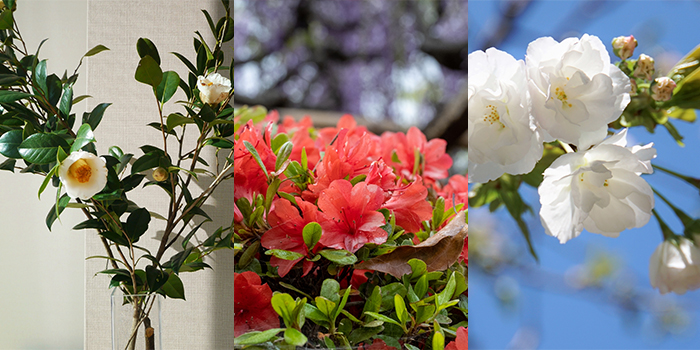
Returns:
(563,319)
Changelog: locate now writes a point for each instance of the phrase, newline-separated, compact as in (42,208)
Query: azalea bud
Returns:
(662,89)
(675,267)
(644,68)
(160,174)
(623,46)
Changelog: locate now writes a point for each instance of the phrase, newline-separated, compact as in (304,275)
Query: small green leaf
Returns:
(312,234)
(330,289)
(56,210)
(39,76)
(82,138)
(284,254)
(149,72)
(95,50)
(256,337)
(95,117)
(175,120)
(167,87)
(283,154)
(446,294)
(66,102)
(137,224)
(339,256)
(9,144)
(156,278)
(145,47)
(383,318)
(6,19)
(255,155)
(294,337)
(47,179)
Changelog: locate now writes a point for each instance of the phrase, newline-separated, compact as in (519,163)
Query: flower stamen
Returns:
(493,116)
(80,170)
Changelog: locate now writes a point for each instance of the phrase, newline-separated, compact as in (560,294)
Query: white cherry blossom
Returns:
(574,88)
(599,190)
(675,268)
(502,137)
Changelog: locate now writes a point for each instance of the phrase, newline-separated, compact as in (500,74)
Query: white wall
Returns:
(41,272)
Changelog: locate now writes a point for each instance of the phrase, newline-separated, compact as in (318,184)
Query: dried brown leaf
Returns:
(438,252)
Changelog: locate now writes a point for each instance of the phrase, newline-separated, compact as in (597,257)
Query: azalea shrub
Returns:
(346,239)
(41,134)
(558,121)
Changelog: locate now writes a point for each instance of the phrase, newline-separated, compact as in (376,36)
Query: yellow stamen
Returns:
(493,116)
(561,95)
(80,170)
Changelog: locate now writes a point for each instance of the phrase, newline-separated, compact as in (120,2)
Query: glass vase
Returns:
(136,321)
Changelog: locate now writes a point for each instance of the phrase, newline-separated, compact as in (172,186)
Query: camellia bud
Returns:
(662,89)
(160,174)
(644,68)
(623,46)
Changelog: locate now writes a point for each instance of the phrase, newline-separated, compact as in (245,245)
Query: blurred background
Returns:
(392,64)
(593,292)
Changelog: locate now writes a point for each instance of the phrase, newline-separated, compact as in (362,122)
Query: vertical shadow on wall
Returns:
(222,310)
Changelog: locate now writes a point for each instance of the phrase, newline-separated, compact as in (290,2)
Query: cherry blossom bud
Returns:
(160,174)
(644,68)
(623,46)
(674,267)
(662,89)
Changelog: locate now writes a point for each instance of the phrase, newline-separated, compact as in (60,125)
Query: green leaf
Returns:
(95,117)
(149,72)
(255,155)
(173,288)
(39,75)
(340,257)
(145,47)
(312,234)
(313,313)
(438,337)
(187,62)
(283,154)
(446,294)
(8,164)
(41,148)
(7,96)
(156,278)
(95,50)
(175,120)
(284,254)
(47,179)
(330,289)
(6,19)
(56,210)
(66,102)
(145,162)
(82,138)
(383,318)
(424,313)
(90,224)
(294,337)
(9,144)
(256,337)
(137,224)
(207,113)
(374,302)
(400,308)
(167,87)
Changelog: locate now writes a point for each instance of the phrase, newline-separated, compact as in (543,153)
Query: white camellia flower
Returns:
(83,174)
(575,90)
(213,88)
(502,134)
(599,190)
(675,268)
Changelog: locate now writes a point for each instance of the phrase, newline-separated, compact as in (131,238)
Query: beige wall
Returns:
(50,298)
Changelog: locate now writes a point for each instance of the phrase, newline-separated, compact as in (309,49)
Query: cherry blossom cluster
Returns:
(569,92)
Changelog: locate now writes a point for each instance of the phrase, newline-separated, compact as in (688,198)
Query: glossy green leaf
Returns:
(39,76)
(95,116)
(6,19)
(312,234)
(66,102)
(8,164)
(294,337)
(330,289)
(256,337)
(383,318)
(284,254)
(7,96)
(446,294)
(56,210)
(167,87)
(145,47)
(137,224)
(255,155)
(187,62)
(339,256)
(283,154)
(175,120)
(173,288)
(95,50)
(82,138)
(41,148)
(47,178)
(9,144)
(149,72)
